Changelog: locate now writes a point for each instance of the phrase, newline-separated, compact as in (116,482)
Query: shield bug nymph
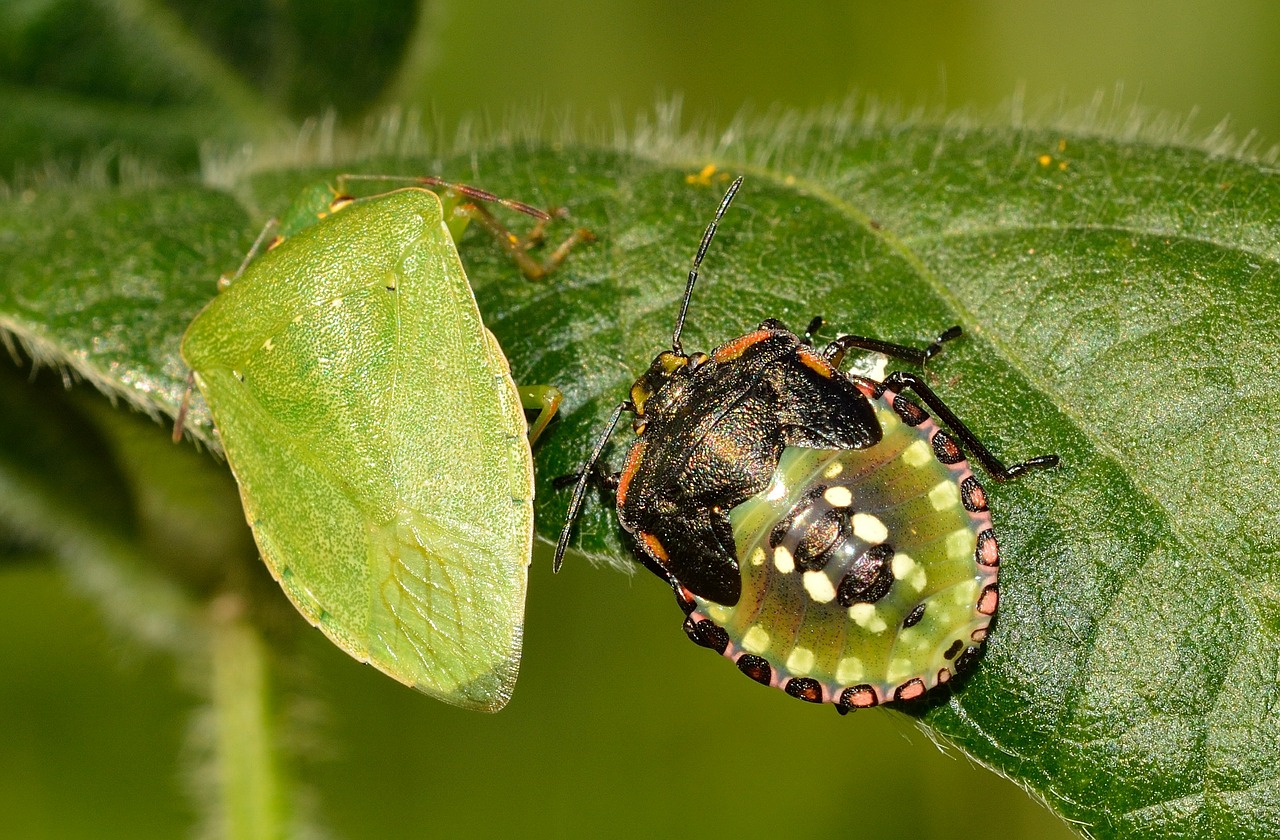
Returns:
(818,528)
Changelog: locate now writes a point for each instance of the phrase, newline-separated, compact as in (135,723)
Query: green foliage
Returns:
(1118,293)
(1119,301)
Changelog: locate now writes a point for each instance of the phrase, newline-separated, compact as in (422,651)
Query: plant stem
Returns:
(249,773)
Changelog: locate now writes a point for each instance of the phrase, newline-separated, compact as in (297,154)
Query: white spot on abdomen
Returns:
(819,587)
(800,662)
(783,560)
(869,528)
(756,640)
(945,494)
(837,496)
(917,454)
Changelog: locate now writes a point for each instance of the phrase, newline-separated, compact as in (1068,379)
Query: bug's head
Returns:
(664,379)
(671,368)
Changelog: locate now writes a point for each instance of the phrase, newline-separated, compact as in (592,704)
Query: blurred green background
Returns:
(619,726)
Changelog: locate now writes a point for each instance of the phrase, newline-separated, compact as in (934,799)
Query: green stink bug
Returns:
(378,439)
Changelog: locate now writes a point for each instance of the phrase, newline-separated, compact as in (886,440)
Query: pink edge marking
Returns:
(979,495)
(989,600)
(910,690)
(990,550)
(732,652)
(865,699)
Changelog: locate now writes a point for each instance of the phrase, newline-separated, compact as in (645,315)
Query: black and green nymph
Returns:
(817,527)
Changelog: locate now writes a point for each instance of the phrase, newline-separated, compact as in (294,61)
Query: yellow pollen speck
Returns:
(800,662)
(869,528)
(756,640)
(917,454)
(961,544)
(903,565)
(718,613)
(819,587)
(849,670)
(838,496)
(757,556)
(1045,160)
(899,669)
(833,470)
(703,177)
(783,560)
(1062,166)
(945,494)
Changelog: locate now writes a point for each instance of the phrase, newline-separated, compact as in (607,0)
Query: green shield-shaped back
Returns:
(378,440)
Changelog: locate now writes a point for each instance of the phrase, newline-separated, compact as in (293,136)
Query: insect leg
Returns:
(224,283)
(584,478)
(812,330)
(900,379)
(544,399)
(180,421)
(835,351)
(518,247)
(806,338)
(268,230)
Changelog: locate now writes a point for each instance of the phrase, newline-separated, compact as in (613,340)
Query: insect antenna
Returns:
(584,478)
(697,261)
(474,193)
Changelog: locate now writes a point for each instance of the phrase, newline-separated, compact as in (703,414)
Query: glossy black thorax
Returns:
(710,432)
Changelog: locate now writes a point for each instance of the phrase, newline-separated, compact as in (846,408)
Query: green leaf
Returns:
(78,76)
(1119,300)
(102,282)
(160,79)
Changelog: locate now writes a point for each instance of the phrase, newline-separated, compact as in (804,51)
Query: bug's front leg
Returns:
(544,399)
(583,477)
(836,350)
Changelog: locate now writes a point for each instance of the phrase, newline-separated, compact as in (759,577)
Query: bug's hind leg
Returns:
(517,247)
(898,380)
